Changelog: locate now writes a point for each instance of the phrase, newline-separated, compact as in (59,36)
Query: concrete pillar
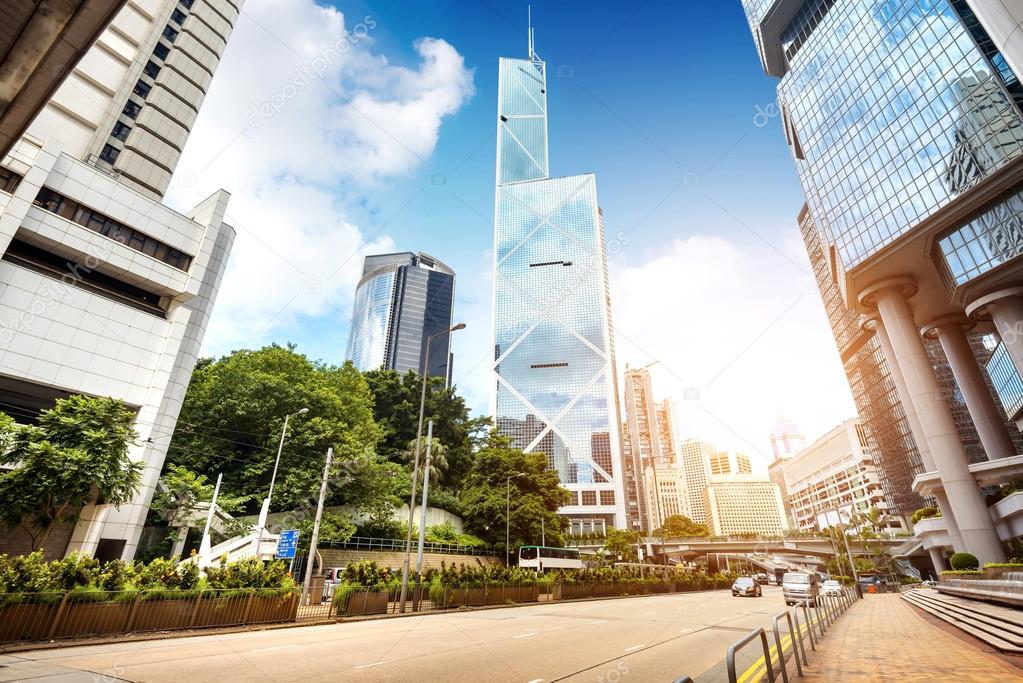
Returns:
(987,417)
(1003,22)
(971,514)
(875,322)
(938,560)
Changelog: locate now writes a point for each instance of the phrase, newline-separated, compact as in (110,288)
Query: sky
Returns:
(363,127)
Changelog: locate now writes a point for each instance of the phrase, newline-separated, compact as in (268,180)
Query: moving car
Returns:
(799,587)
(745,585)
(762,579)
(831,587)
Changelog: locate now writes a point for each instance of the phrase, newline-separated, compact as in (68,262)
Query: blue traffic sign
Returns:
(287,544)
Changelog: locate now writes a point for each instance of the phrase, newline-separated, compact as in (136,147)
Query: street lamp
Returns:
(507,517)
(264,511)
(415,466)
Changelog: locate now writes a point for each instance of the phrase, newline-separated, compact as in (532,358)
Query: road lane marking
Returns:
(526,635)
(536,680)
(599,621)
(366,666)
(685,630)
(275,647)
(634,647)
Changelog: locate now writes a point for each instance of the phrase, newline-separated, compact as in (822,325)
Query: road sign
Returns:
(287,544)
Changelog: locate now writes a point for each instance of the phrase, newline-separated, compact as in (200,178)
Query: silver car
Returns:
(800,587)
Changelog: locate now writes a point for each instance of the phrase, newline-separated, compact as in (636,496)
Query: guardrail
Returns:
(394,544)
(815,624)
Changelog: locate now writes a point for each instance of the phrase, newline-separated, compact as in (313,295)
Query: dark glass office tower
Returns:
(403,299)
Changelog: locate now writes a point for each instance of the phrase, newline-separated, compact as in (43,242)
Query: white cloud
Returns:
(739,325)
(302,121)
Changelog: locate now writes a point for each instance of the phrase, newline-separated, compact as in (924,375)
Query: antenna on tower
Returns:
(529,15)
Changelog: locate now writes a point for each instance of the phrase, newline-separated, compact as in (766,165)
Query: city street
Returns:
(654,638)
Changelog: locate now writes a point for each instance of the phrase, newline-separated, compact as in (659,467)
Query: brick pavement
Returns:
(883,638)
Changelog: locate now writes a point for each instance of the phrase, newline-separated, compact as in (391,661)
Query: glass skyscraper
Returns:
(402,299)
(554,388)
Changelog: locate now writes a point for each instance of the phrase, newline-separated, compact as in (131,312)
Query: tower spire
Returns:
(529,21)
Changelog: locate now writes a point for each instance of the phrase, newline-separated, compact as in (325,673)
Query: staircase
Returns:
(1000,627)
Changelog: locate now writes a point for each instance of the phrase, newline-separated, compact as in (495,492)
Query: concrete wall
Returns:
(335,557)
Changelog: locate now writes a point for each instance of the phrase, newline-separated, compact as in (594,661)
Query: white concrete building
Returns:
(744,503)
(835,473)
(695,457)
(103,290)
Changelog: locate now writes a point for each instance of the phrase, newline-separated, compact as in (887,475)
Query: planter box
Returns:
(1000,572)
(94,618)
(27,621)
(365,602)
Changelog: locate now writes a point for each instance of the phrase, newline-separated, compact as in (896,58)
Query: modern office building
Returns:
(402,300)
(903,118)
(695,457)
(103,290)
(654,477)
(730,463)
(836,475)
(554,359)
(744,504)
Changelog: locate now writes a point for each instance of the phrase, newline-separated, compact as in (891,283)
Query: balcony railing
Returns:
(1007,382)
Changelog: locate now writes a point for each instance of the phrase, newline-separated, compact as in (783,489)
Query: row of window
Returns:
(94,220)
(9,180)
(132,107)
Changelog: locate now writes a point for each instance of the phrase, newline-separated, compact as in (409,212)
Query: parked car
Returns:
(762,579)
(745,585)
(798,587)
(831,587)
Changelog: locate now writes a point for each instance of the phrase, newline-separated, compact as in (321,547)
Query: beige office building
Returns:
(744,503)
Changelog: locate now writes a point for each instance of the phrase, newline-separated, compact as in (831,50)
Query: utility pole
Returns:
(543,532)
(204,545)
(422,510)
(316,527)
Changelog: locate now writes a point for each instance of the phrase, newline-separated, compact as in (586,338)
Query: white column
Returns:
(987,417)
(938,560)
(1003,22)
(971,513)
(914,426)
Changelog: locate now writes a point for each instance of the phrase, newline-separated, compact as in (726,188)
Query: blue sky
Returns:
(664,101)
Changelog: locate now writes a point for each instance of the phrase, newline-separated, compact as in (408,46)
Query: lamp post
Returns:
(507,517)
(415,466)
(265,510)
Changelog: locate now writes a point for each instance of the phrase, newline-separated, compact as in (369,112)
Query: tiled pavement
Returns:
(883,638)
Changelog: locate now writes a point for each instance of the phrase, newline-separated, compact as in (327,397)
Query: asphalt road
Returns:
(652,638)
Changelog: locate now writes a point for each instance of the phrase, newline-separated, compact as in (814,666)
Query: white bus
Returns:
(541,557)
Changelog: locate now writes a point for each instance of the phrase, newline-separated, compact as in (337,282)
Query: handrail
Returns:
(781,649)
(735,647)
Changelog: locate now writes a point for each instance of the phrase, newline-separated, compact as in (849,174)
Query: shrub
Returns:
(115,575)
(963,561)
(924,513)
(962,572)
(1004,565)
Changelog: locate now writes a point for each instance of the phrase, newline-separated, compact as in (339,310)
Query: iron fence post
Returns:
(57,616)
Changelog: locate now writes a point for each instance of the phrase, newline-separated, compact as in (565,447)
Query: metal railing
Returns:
(398,545)
(815,624)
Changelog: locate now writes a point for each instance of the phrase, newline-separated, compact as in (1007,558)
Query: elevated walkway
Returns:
(1000,627)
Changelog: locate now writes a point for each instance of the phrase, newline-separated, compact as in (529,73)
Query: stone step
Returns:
(1007,616)
(993,636)
(1011,631)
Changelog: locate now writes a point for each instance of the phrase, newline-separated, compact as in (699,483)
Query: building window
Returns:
(121,131)
(178,17)
(9,180)
(589,497)
(187,4)
(109,154)
(161,51)
(142,89)
(170,33)
(152,69)
(131,109)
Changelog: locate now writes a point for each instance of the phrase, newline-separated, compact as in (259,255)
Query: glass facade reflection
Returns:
(554,389)
(993,238)
(893,111)
(402,300)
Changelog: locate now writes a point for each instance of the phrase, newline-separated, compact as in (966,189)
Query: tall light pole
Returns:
(265,510)
(426,501)
(415,466)
(316,529)
(507,517)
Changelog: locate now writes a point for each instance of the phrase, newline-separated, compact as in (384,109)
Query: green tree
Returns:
(535,496)
(75,454)
(234,412)
(438,459)
(620,545)
(680,526)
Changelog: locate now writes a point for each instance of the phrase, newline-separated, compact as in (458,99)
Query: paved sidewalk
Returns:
(883,638)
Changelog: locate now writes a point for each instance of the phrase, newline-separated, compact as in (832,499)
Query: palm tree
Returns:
(438,457)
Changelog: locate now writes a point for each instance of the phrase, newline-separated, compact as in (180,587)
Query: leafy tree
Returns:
(535,496)
(396,410)
(680,526)
(438,459)
(234,412)
(76,453)
(333,527)
(620,545)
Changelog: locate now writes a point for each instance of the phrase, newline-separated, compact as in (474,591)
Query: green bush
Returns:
(962,572)
(1004,565)
(925,513)
(964,561)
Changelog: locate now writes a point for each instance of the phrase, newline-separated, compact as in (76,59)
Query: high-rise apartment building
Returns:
(744,504)
(836,474)
(654,477)
(904,122)
(695,457)
(730,463)
(554,362)
(402,300)
(103,290)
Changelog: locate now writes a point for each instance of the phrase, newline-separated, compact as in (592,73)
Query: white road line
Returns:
(366,666)
(685,630)
(275,647)
(536,680)
(599,621)
(526,635)
(634,647)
